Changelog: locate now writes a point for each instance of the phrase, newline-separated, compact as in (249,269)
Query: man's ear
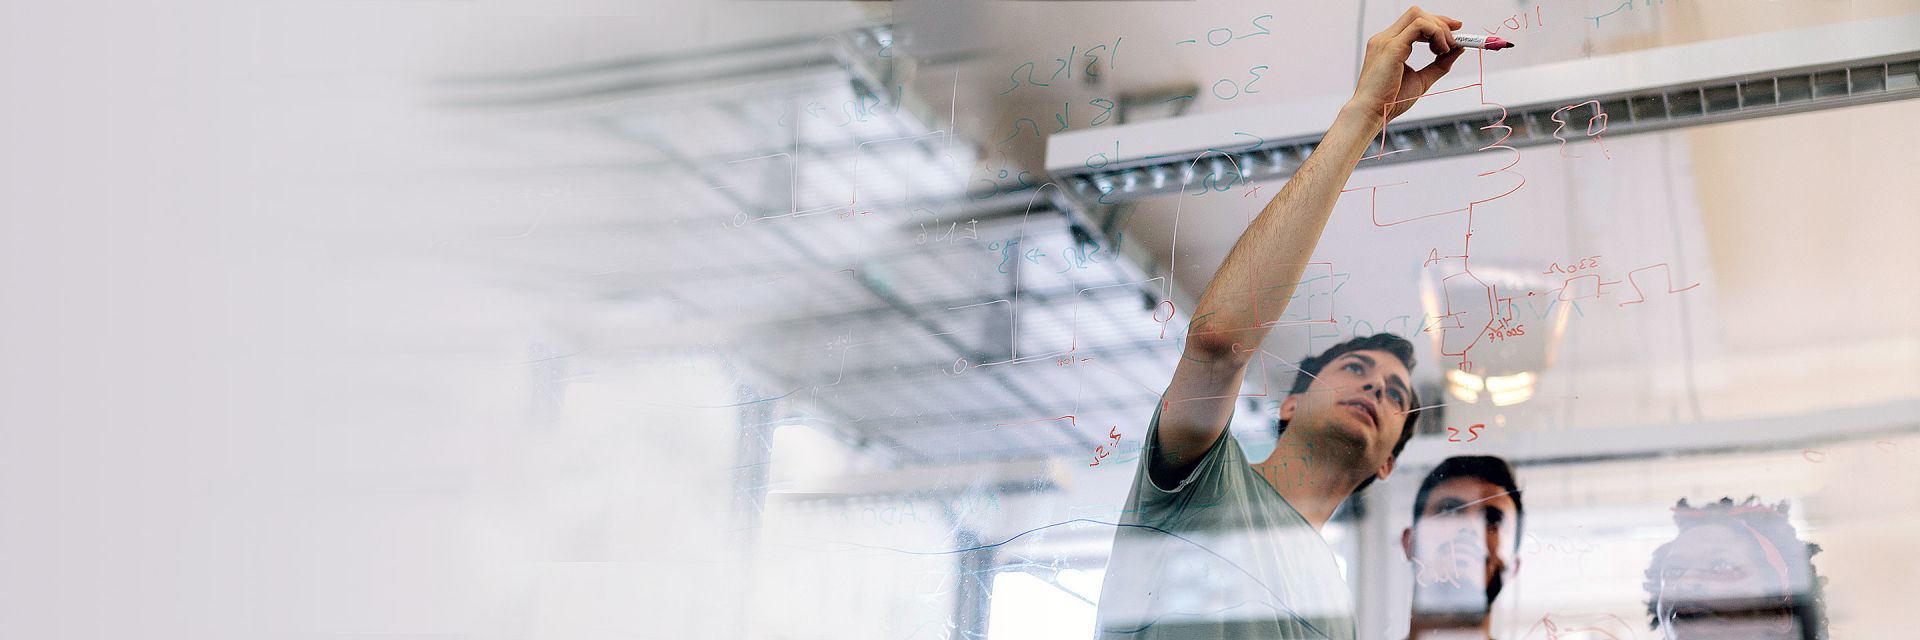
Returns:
(1406,544)
(1385,469)
(1287,406)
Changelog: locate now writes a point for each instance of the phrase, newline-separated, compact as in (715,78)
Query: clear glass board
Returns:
(767,320)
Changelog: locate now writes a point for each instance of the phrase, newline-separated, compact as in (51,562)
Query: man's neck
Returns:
(1313,482)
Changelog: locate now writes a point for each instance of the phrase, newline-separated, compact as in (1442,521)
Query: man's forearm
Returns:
(1249,292)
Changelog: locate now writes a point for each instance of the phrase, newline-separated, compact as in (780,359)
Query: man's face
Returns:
(1463,548)
(1360,400)
(1713,584)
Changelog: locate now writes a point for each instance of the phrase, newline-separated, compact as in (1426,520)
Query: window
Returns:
(1043,604)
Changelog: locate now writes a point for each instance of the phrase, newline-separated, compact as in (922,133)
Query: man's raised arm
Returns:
(1230,322)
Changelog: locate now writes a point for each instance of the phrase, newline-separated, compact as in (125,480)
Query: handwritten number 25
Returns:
(1015,77)
(1453,433)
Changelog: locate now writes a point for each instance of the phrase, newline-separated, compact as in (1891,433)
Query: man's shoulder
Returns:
(1248,490)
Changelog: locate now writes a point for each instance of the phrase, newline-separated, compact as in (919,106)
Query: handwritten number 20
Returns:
(1229,37)
(1261,27)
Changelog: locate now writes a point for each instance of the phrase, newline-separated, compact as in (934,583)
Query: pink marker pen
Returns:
(1490,43)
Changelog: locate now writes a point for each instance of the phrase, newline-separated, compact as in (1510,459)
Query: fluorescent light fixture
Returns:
(1510,398)
(1511,389)
(1464,386)
(1504,390)
(1522,380)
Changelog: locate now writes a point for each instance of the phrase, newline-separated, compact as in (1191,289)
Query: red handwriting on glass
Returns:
(1595,126)
(1584,264)
(1503,331)
(1102,451)
(1521,21)
(1643,296)
(1473,433)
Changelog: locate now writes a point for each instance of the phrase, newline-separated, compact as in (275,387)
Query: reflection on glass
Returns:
(1735,571)
(1463,544)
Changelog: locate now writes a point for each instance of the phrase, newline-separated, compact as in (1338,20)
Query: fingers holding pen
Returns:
(1440,66)
(1387,85)
(1412,13)
(1436,30)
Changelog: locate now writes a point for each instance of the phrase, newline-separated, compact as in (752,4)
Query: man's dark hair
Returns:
(1776,544)
(1390,343)
(1493,470)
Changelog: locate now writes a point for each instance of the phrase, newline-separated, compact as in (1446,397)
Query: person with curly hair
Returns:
(1736,570)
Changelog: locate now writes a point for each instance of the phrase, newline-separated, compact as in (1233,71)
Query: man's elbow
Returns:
(1216,347)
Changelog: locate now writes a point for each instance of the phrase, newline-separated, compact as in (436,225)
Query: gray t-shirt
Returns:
(1219,556)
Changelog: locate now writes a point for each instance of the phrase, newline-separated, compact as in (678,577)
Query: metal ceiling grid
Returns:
(653,253)
(749,253)
(924,399)
(873,177)
(1045,330)
(663,200)
(752,299)
(945,446)
(868,304)
(990,442)
(1103,318)
(916,356)
(837,116)
(1146,374)
(938,179)
(821,293)
(715,131)
(918,279)
(981,434)
(1045,388)
(820,241)
(839,244)
(985,386)
(665,206)
(986,330)
(1050,387)
(822,187)
(817,360)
